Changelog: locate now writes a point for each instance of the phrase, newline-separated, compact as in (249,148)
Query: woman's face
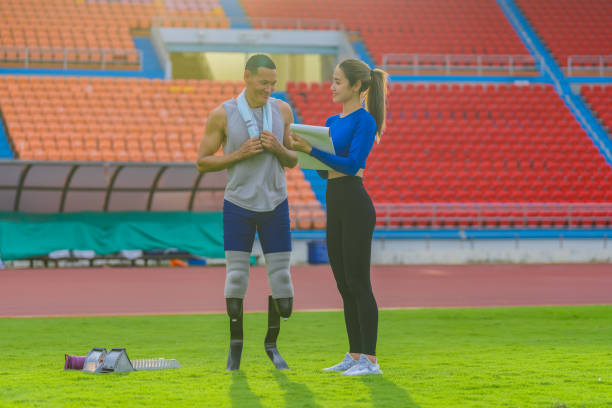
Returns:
(340,88)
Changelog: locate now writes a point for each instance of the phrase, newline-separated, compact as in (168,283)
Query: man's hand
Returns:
(250,148)
(270,142)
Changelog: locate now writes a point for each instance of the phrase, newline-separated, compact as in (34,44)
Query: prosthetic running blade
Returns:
(272,335)
(234,308)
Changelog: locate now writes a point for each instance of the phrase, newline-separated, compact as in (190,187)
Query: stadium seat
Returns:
(528,148)
(116,119)
(389,26)
(571,27)
(87,32)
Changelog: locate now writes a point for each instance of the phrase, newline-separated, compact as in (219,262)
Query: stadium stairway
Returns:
(233,9)
(151,68)
(363,53)
(5,150)
(317,184)
(536,46)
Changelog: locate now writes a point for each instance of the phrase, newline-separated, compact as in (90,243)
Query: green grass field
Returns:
(494,357)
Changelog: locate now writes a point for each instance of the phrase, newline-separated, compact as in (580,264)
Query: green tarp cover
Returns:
(30,235)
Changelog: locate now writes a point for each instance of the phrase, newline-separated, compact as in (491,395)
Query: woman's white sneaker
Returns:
(363,367)
(344,365)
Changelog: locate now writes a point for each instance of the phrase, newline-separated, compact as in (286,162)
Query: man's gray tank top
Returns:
(257,183)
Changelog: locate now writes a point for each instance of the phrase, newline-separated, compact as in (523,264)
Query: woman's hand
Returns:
(299,144)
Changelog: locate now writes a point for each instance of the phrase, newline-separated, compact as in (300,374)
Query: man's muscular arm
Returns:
(214,137)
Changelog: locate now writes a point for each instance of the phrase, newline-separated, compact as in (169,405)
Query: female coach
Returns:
(350,214)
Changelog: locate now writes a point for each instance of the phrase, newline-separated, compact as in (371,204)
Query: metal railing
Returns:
(255,22)
(599,65)
(297,23)
(102,58)
(191,21)
(493,215)
(413,216)
(455,63)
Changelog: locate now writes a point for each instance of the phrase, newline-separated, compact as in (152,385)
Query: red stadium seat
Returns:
(389,26)
(571,28)
(518,154)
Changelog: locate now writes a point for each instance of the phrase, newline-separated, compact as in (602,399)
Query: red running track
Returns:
(118,291)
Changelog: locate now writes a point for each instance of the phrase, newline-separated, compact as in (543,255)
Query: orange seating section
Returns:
(474,143)
(113,119)
(305,211)
(416,27)
(599,97)
(570,27)
(91,25)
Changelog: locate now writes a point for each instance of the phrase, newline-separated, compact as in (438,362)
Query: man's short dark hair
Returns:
(259,60)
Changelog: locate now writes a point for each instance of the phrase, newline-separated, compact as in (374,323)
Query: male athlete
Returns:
(254,132)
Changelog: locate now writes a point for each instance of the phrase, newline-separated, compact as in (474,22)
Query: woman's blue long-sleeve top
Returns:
(353,136)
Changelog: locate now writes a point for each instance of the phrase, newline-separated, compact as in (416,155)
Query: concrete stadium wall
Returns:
(457,251)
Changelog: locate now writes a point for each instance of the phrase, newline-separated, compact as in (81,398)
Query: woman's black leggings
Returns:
(350,224)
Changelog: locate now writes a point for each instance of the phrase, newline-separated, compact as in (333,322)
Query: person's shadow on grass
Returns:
(294,391)
(386,393)
(240,393)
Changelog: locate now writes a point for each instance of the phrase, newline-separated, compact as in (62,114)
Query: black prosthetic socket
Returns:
(284,306)
(274,328)
(234,311)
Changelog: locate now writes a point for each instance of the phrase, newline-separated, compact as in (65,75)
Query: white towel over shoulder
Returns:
(249,118)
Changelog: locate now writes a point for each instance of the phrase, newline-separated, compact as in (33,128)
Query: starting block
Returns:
(98,360)
(116,361)
(94,359)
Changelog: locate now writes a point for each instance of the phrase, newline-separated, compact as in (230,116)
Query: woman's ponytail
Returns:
(373,87)
(376,98)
